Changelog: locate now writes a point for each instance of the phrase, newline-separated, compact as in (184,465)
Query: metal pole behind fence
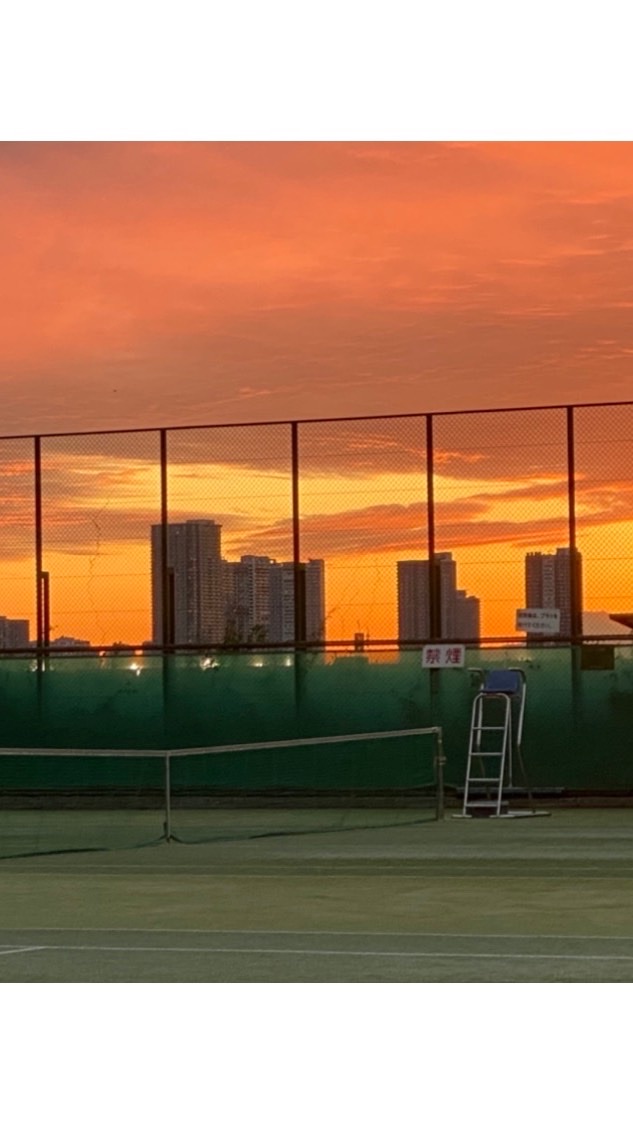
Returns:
(167,798)
(440,762)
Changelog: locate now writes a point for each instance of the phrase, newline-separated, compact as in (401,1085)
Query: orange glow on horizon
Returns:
(361,524)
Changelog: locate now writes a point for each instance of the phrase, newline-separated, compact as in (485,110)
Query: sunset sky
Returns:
(147,284)
(158,284)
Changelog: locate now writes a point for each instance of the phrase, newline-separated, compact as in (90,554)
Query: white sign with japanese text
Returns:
(538,620)
(443,656)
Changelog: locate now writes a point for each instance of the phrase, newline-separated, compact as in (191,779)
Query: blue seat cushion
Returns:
(504,680)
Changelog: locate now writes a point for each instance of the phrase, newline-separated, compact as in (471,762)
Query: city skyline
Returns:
(215,601)
(250,600)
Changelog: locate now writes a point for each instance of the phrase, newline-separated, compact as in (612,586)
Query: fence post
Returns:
(299,584)
(440,762)
(435,596)
(575,592)
(167,826)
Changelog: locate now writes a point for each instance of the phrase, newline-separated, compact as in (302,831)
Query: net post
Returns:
(440,762)
(167,827)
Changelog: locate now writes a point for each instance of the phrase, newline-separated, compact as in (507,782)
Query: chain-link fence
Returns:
(367,535)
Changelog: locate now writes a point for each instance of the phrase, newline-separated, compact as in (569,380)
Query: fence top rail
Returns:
(392,645)
(314,421)
(185,751)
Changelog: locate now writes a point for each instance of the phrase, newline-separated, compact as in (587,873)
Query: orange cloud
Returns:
(165,282)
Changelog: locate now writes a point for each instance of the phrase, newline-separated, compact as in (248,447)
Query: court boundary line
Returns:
(547,877)
(313,933)
(21,949)
(400,954)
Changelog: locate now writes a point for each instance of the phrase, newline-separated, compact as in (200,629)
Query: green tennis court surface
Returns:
(548,899)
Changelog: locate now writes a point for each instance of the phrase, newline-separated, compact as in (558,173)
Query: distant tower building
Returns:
(248,599)
(467,616)
(14,632)
(459,613)
(315,599)
(540,581)
(548,585)
(282,603)
(194,559)
(231,615)
(414,607)
(570,616)
(282,600)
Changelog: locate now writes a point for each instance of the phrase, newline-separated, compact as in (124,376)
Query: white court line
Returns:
(329,953)
(21,949)
(364,870)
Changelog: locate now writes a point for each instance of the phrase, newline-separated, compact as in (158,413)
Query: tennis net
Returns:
(56,800)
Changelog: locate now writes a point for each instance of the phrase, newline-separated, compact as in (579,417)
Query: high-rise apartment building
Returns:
(459,612)
(282,600)
(14,632)
(414,605)
(549,580)
(216,601)
(247,608)
(467,615)
(196,582)
(261,600)
(314,571)
(282,603)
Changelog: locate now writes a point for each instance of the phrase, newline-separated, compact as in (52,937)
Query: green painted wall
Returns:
(578,731)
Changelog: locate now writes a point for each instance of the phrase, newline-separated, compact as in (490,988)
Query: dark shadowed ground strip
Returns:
(547,899)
